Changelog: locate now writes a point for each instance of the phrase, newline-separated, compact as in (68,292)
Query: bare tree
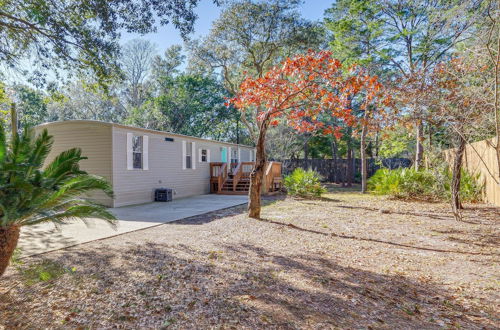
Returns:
(487,52)
(423,33)
(453,104)
(136,58)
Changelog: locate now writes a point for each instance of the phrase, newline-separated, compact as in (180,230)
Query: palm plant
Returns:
(31,194)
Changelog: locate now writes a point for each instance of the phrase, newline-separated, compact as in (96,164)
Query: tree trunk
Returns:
(349,161)
(364,171)
(306,151)
(419,154)
(13,119)
(334,147)
(8,242)
(257,175)
(456,205)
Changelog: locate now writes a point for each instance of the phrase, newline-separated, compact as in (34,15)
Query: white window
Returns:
(137,152)
(203,155)
(189,157)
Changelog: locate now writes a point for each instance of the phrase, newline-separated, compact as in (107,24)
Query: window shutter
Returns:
(199,155)
(208,155)
(239,155)
(183,155)
(145,153)
(130,165)
(229,156)
(193,155)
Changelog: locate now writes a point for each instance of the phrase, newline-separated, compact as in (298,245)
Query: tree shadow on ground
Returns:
(232,211)
(32,239)
(484,215)
(375,240)
(151,285)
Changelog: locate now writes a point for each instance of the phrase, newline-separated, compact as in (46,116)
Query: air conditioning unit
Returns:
(163,194)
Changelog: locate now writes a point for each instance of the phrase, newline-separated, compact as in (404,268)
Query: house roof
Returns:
(97,122)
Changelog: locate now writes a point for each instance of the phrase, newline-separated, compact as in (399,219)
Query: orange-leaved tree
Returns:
(299,91)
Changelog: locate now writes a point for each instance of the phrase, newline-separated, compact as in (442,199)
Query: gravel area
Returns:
(346,261)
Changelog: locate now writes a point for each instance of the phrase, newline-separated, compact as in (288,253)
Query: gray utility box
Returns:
(163,195)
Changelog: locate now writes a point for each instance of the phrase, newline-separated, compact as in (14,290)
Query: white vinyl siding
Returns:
(95,140)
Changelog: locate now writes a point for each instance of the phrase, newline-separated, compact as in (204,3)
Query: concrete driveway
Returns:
(45,237)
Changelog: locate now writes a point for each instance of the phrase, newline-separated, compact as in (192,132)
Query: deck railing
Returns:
(237,172)
(272,177)
(220,172)
(218,175)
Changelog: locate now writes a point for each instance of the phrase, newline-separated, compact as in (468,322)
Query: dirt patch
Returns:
(344,261)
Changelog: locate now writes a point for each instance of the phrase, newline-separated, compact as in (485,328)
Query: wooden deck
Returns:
(235,179)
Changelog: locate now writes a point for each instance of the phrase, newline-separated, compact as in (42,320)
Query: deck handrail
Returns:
(218,174)
(273,171)
(222,176)
(237,172)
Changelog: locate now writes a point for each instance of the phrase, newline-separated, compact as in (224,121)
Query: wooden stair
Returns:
(242,187)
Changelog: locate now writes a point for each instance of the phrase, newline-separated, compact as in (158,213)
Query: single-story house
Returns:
(137,161)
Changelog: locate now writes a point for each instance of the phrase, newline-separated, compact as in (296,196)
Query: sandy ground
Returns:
(346,261)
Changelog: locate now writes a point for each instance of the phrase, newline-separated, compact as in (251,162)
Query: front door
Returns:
(223,155)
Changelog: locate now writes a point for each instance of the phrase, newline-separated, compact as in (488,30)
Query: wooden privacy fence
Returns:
(480,157)
(336,171)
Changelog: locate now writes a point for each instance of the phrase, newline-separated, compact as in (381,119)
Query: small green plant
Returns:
(304,183)
(44,271)
(16,257)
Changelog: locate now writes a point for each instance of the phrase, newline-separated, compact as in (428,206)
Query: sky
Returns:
(208,12)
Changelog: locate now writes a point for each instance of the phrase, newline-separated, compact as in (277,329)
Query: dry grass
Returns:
(345,261)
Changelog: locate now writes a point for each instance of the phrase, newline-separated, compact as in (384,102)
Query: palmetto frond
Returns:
(31,194)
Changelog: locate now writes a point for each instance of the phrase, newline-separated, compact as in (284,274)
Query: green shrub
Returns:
(408,183)
(471,187)
(304,183)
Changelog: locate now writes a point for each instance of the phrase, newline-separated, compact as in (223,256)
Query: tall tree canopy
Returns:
(82,34)
(357,30)
(187,104)
(250,37)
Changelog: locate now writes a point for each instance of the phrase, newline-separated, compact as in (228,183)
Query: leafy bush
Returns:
(408,183)
(304,183)
(471,187)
